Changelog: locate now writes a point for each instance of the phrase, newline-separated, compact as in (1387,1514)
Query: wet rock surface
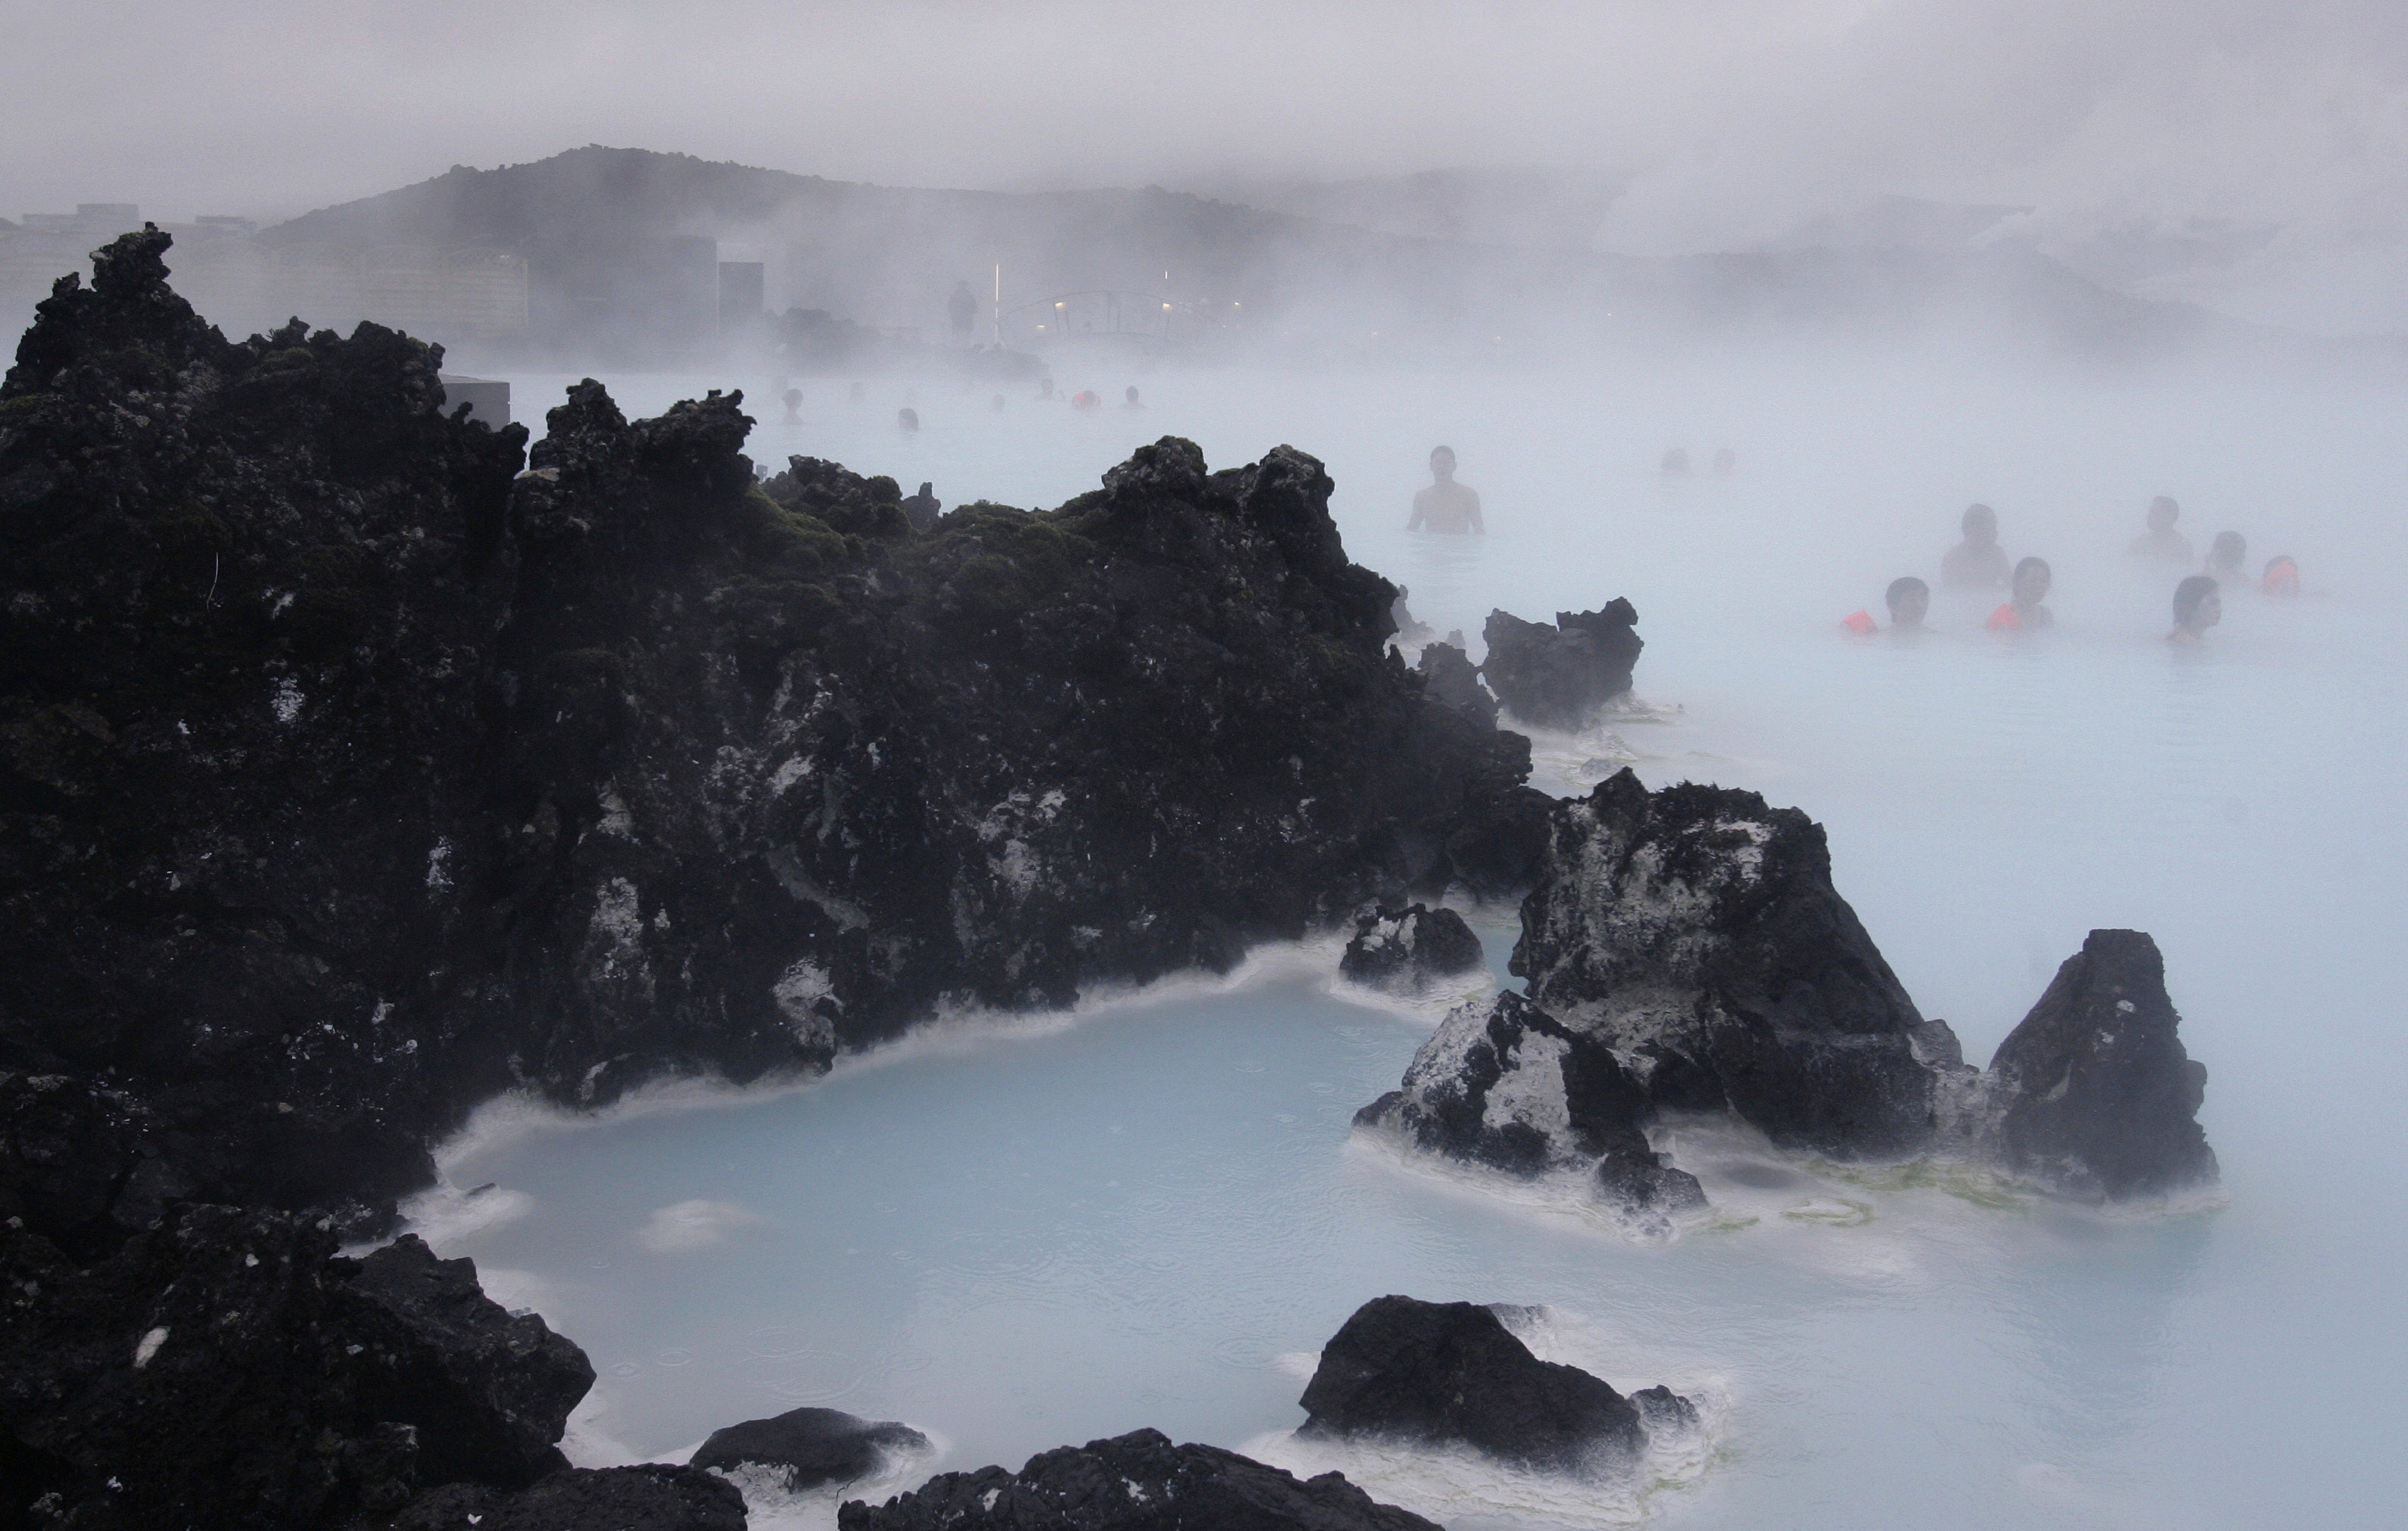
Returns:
(1135,1482)
(1562,676)
(647,1497)
(1408,949)
(2093,1093)
(808,1448)
(228,1368)
(1450,676)
(1687,952)
(1452,1374)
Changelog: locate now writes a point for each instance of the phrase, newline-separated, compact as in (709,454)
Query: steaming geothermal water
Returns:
(1032,1233)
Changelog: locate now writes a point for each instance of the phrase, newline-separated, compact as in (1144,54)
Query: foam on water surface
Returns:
(1020,1233)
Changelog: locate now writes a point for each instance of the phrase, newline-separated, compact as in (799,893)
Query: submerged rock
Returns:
(1135,1482)
(2093,1093)
(1561,677)
(1451,1373)
(808,1448)
(228,1368)
(1408,949)
(1686,952)
(650,1496)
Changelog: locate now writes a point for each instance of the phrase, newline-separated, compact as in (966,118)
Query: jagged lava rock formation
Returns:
(1687,952)
(1561,677)
(1453,679)
(808,1448)
(1408,949)
(349,775)
(1449,1373)
(1135,1482)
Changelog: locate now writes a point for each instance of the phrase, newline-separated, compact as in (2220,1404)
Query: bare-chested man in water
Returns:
(1445,506)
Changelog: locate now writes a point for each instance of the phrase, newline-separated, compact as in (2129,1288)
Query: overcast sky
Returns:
(1736,119)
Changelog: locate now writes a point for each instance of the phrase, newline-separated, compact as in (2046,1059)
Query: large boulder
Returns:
(1408,949)
(1562,676)
(1695,931)
(1451,1374)
(805,1449)
(2093,1093)
(650,1496)
(228,1368)
(1135,1482)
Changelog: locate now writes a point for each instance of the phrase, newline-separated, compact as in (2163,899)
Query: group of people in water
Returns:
(1978,562)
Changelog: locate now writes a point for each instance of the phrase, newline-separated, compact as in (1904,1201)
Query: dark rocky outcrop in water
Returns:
(1408,949)
(225,1367)
(1449,1373)
(808,1448)
(1452,678)
(646,1497)
(2093,1095)
(1135,1482)
(349,775)
(1561,677)
(1686,952)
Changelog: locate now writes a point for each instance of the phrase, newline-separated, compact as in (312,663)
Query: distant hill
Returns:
(623,246)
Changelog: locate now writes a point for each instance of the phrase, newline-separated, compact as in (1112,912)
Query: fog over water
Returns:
(1151,1213)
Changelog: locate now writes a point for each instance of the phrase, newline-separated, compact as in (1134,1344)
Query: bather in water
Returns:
(1445,506)
(2198,606)
(2224,559)
(2161,541)
(2025,611)
(1978,562)
(2282,578)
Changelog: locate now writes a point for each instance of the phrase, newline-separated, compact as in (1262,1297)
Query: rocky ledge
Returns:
(357,763)
(805,1449)
(1135,1482)
(1451,1374)
(1687,952)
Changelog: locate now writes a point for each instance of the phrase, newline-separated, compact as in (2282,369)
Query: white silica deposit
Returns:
(1020,1233)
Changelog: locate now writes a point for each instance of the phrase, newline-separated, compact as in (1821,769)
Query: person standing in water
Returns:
(1445,506)
(2224,559)
(962,308)
(1909,600)
(2024,612)
(2161,541)
(1978,562)
(2198,606)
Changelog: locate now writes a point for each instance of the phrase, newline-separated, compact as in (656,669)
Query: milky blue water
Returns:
(1151,1213)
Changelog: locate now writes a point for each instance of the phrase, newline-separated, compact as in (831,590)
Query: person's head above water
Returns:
(2031,582)
(2163,513)
(1443,464)
(2282,576)
(2198,606)
(1979,525)
(1910,602)
(2227,551)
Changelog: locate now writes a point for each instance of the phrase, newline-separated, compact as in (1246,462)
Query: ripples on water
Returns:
(1031,1237)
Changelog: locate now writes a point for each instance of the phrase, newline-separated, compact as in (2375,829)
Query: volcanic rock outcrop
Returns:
(1135,1482)
(1561,677)
(1408,949)
(1453,679)
(1449,1373)
(650,1496)
(349,775)
(808,1448)
(1687,952)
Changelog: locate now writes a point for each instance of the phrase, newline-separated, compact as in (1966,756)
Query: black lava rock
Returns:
(1135,1482)
(1451,1373)
(1450,676)
(1408,948)
(1695,930)
(2094,1093)
(1560,677)
(227,1368)
(807,1448)
(650,1496)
